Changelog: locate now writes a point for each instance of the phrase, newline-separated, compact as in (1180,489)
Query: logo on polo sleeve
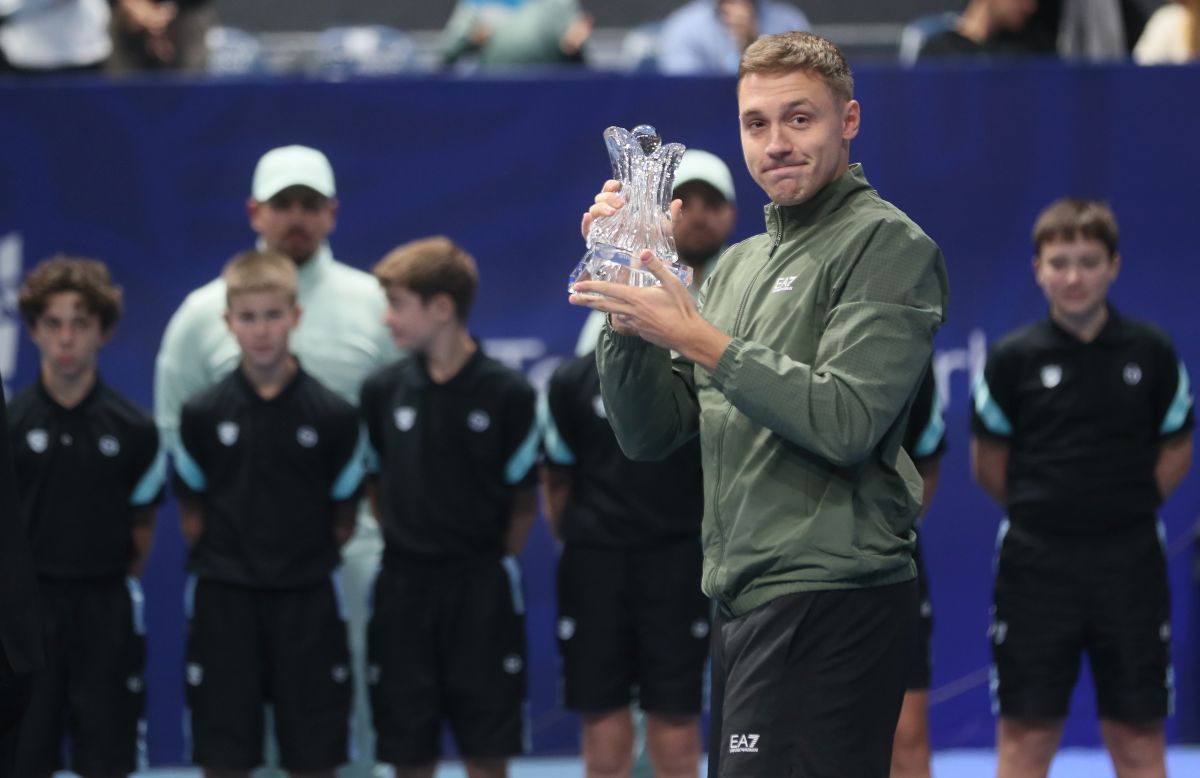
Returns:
(38,441)
(406,417)
(1051,376)
(1132,374)
(227,432)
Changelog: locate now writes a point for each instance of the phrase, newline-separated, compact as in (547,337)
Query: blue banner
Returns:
(152,177)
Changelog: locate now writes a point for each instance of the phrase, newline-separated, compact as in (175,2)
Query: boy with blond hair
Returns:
(454,438)
(269,466)
(91,477)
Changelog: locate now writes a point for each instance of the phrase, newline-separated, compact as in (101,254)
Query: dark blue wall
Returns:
(152,177)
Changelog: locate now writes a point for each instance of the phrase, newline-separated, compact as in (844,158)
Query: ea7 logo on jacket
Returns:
(743,744)
(783,284)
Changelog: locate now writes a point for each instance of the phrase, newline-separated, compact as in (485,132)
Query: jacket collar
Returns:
(782,218)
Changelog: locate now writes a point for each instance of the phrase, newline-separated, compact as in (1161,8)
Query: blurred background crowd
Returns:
(340,38)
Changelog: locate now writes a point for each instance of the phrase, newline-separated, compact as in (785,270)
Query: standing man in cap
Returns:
(705,185)
(702,228)
(340,340)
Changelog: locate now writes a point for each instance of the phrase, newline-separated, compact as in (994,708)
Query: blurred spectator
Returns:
(53,36)
(1099,30)
(1172,35)
(160,34)
(364,50)
(709,36)
(515,32)
(985,28)
(1091,30)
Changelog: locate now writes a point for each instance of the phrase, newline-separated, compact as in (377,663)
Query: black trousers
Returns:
(14,699)
(810,684)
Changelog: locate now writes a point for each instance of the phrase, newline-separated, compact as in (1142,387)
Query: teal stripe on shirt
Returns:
(556,448)
(523,458)
(352,474)
(515,589)
(188,470)
(985,405)
(152,480)
(935,428)
(370,459)
(1180,405)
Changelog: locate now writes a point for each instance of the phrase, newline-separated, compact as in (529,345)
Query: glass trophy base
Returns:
(609,263)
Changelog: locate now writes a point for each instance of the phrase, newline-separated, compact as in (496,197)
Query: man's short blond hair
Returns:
(431,266)
(259,271)
(791,52)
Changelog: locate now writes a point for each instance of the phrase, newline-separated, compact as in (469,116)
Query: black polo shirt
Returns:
(925,435)
(447,456)
(81,473)
(614,501)
(269,473)
(1084,422)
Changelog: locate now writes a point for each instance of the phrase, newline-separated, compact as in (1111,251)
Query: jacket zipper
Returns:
(729,411)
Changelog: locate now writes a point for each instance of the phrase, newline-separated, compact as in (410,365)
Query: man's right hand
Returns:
(606,204)
(609,201)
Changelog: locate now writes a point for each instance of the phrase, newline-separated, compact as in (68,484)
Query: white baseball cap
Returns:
(698,165)
(291,166)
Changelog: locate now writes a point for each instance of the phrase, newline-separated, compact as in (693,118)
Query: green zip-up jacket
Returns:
(806,487)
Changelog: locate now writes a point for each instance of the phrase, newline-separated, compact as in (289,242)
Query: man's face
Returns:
(261,323)
(294,222)
(704,224)
(68,336)
(1075,276)
(413,322)
(795,133)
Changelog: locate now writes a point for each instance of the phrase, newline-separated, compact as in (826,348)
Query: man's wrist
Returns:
(708,348)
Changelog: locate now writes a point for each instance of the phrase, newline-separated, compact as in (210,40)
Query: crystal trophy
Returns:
(646,169)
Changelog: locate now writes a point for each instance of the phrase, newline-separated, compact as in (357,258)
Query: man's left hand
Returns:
(664,315)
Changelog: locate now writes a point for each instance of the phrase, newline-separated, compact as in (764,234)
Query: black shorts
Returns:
(920,666)
(1056,598)
(251,647)
(811,684)
(92,687)
(446,643)
(633,618)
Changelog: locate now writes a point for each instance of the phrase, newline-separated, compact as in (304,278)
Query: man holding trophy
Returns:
(798,377)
